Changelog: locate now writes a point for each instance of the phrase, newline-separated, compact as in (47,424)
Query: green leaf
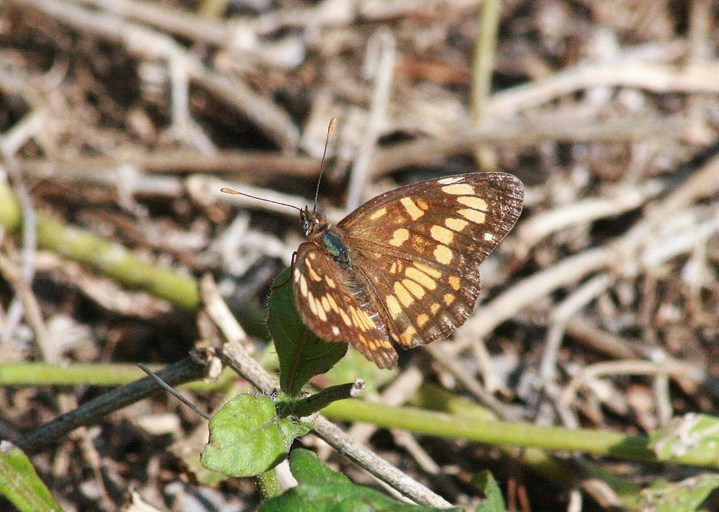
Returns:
(302,355)
(684,496)
(19,482)
(321,489)
(308,468)
(248,438)
(486,483)
(691,434)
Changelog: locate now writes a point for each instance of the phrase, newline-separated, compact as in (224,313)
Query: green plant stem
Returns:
(111,259)
(318,401)
(10,214)
(92,374)
(500,433)
(563,473)
(485,49)
(76,374)
(482,69)
(268,484)
(116,262)
(436,398)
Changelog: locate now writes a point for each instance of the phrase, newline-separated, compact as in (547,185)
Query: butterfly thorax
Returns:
(318,229)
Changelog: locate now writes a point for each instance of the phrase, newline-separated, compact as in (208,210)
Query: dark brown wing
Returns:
(336,307)
(419,247)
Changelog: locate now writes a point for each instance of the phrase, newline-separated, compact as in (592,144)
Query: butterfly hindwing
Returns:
(337,309)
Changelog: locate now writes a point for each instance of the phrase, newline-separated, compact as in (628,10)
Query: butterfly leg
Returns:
(292,268)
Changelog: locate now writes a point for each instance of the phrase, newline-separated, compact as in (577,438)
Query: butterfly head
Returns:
(312,222)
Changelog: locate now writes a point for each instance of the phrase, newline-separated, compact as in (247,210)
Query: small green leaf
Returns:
(306,467)
(248,438)
(684,496)
(486,483)
(302,355)
(19,482)
(687,435)
(321,489)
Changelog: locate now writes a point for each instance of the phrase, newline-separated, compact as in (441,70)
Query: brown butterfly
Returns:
(404,266)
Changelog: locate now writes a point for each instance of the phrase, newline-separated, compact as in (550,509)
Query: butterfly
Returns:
(403,268)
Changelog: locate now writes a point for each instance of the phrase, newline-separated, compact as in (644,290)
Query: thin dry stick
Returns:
(701,48)
(618,368)
(397,393)
(483,359)
(183,126)
(237,357)
(24,302)
(243,163)
(663,400)
(101,169)
(443,357)
(611,203)
(21,132)
(376,465)
(170,19)
(381,55)
(619,347)
(28,307)
(678,241)
(703,182)
(561,315)
(628,72)
(320,15)
(465,138)
(10,142)
(89,452)
(603,342)
(425,461)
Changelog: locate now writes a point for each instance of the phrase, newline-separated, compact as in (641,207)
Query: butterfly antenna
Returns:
(232,191)
(330,129)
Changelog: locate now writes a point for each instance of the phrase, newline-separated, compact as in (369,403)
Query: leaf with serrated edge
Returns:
(247,437)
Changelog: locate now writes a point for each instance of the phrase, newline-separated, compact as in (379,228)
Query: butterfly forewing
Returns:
(420,246)
(413,261)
